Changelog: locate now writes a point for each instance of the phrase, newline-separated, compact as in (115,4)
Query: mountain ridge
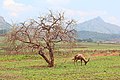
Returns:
(98,25)
(4,26)
(95,36)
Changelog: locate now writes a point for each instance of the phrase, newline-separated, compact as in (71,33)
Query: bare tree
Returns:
(42,34)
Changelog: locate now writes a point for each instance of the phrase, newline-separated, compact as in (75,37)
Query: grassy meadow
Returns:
(33,67)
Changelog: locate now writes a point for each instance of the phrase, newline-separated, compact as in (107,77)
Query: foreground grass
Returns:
(33,67)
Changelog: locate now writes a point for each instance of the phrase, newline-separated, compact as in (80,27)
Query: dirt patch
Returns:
(3,68)
(114,67)
(8,60)
(97,54)
(10,77)
(37,67)
(106,54)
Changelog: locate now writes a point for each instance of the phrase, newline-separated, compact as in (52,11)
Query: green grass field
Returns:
(33,67)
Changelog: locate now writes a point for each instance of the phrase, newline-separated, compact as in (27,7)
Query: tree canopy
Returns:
(42,34)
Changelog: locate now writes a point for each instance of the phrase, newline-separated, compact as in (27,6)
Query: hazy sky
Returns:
(80,10)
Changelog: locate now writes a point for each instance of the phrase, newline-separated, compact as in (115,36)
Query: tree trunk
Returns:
(49,61)
(43,55)
(51,64)
(51,57)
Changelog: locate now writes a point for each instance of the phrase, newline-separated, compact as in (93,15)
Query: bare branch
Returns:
(42,34)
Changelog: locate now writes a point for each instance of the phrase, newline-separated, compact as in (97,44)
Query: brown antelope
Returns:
(81,58)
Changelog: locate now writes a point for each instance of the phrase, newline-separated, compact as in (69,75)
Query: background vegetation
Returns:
(33,67)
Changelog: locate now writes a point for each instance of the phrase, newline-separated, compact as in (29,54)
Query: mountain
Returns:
(98,25)
(4,26)
(95,36)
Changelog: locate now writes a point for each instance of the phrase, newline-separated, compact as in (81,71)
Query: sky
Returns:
(81,10)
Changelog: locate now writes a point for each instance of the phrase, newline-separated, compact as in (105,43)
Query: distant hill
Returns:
(97,36)
(98,25)
(4,26)
(98,29)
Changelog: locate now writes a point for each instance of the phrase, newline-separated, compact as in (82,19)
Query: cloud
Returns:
(113,19)
(58,2)
(84,13)
(82,16)
(15,8)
